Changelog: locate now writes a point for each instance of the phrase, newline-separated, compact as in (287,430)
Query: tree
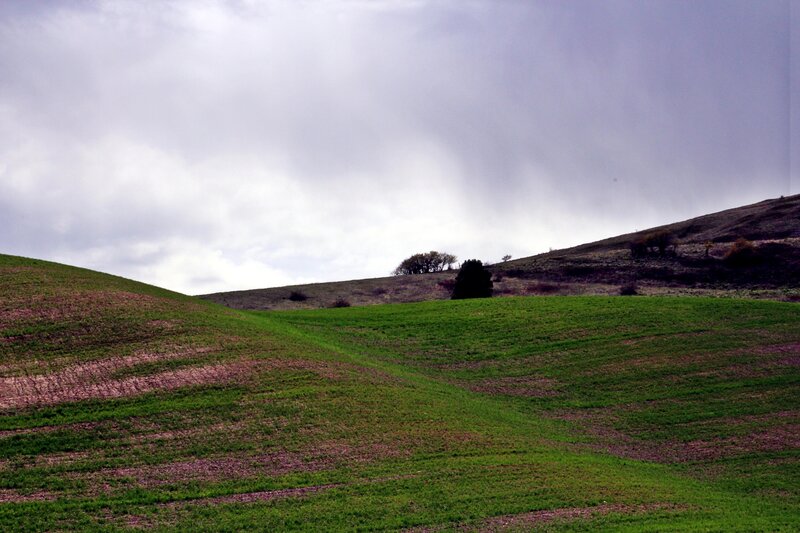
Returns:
(432,261)
(661,242)
(506,257)
(472,281)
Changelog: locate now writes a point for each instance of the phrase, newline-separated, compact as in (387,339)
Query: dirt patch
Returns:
(598,424)
(523,387)
(72,305)
(791,348)
(466,365)
(61,458)
(90,381)
(163,324)
(325,369)
(180,434)
(527,520)
(774,439)
(324,456)
(13,496)
(66,369)
(792,360)
(655,338)
(332,370)
(262,496)
(78,426)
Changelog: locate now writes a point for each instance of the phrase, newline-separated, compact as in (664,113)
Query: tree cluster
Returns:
(432,261)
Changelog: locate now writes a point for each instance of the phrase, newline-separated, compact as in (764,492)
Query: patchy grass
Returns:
(549,412)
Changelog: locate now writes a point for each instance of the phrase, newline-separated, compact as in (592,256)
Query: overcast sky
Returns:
(207,146)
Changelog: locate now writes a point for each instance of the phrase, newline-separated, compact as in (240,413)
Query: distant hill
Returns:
(600,267)
(773,219)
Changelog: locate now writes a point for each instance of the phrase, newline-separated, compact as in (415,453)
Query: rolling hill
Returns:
(601,267)
(127,406)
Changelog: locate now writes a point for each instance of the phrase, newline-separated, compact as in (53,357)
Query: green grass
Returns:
(669,413)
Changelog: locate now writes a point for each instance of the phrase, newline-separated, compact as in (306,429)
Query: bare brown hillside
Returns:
(696,264)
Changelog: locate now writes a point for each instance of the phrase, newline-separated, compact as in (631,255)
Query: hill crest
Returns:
(599,267)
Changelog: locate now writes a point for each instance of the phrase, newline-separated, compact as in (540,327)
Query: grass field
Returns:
(127,406)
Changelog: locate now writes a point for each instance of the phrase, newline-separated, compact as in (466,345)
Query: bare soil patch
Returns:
(13,496)
(599,424)
(61,458)
(532,519)
(262,496)
(523,387)
(78,426)
(91,381)
(73,304)
(180,434)
(332,370)
(323,456)
(792,348)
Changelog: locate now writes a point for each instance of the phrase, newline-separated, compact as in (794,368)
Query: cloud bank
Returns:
(206,146)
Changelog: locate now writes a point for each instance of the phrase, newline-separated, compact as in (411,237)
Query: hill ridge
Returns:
(600,267)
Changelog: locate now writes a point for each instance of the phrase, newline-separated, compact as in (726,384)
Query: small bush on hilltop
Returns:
(432,261)
(629,289)
(741,253)
(297,296)
(472,281)
(661,242)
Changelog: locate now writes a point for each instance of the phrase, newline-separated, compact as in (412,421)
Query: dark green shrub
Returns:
(741,253)
(297,296)
(629,289)
(341,302)
(472,281)
(638,248)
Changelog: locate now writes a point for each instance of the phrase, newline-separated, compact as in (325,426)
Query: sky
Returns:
(206,146)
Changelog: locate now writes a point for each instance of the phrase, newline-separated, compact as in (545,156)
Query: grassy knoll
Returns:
(122,405)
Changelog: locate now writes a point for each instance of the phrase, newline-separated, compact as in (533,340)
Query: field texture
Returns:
(125,406)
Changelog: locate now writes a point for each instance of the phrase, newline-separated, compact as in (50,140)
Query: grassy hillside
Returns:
(124,406)
(602,267)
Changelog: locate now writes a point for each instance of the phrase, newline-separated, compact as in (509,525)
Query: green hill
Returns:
(123,405)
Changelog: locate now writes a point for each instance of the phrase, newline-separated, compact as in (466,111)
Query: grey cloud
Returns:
(327,140)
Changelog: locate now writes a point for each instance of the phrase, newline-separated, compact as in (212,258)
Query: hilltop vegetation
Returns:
(124,405)
(686,258)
